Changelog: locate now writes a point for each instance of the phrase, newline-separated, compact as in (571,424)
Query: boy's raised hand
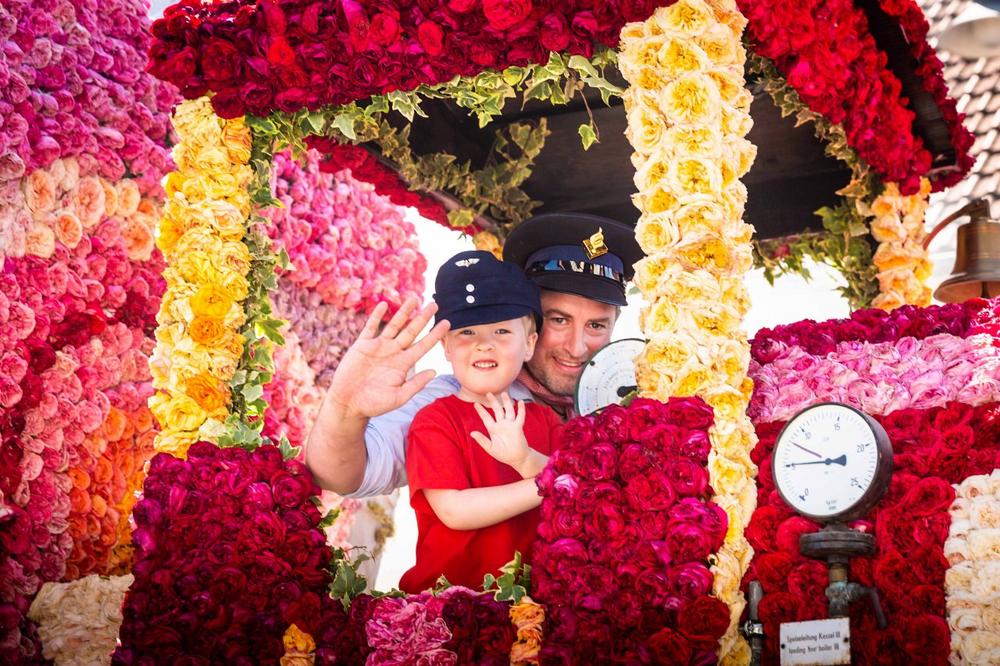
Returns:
(506,441)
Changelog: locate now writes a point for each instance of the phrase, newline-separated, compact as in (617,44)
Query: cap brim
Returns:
(588,286)
(488,314)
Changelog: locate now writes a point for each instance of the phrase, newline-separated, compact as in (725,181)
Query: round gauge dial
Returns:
(609,376)
(832,462)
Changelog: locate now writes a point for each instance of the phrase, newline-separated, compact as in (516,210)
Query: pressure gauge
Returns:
(832,462)
(609,376)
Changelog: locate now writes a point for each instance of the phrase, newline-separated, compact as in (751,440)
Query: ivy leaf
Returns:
(347,582)
(581,64)
(252,392)
(317,121)
(344,123)
(329,519)
(460,218)
(587,135)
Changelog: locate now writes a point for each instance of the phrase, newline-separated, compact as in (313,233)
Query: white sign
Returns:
(816,643)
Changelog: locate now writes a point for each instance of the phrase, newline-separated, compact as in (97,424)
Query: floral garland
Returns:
(344,241)
(833,63)
(627,532)
(397,47)
(527,618)
(688,114)
(901,258)
(74,85)
(78,622)
(199,339)
(973,552)
(237,534)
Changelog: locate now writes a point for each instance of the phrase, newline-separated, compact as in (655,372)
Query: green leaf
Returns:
(587,135)
(317,121)
(581,64)
(344,123)
(329,519)
(252,392)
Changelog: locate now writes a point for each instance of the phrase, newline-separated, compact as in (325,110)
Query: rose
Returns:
(689,580)
(703,622)
(599,462)
(505,14)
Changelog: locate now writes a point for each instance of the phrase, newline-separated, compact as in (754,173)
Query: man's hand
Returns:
(372,376)
(506,442)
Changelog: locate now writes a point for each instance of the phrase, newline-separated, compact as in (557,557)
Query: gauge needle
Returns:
(807,450)
(842,460)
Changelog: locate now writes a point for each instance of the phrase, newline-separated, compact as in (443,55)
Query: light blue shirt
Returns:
(385,437)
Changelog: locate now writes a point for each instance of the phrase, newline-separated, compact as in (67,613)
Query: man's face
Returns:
(573,329)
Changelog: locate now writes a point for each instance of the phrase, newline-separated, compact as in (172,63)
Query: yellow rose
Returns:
(693,382)
(720,44)
(692,98)
(227,219)
(656,200)
(174,442)
(178,412)
(667,348)
(488,242)
(212,301)
(736,120)
(659,316)
(694,176)
(683,55)
(235,257)
(693,140)
(689,17)
(655,231)
(210,394)
(645,128)
(729,476)
(207,331)
(237,140)
(738,653)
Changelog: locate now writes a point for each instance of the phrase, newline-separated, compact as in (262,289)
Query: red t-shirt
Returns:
(440,454)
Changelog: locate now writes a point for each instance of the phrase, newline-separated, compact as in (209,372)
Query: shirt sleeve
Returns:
(385,440)
(435,455)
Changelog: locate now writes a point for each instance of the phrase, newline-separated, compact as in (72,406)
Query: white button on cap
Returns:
(470,299)
(470,287)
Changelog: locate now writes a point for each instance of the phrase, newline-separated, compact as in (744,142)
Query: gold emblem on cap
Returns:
(594,245)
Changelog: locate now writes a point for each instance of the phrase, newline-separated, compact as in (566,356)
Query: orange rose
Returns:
(128,197)
(207,391)
(39,193)
(79,477)
(138,240)
(110,198)
(207,331)
(40,241)
(114,424)
(89,201)
(68,229)
(142,419)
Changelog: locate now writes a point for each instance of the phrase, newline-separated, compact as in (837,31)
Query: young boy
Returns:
(475,496)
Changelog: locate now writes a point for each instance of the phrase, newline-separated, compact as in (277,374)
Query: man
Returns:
(357,446)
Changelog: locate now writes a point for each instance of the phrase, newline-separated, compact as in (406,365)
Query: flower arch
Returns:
(337,70)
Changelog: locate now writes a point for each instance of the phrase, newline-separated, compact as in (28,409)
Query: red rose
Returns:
(599,462)
(431,37)
(778,607)
(787,538)
(691,413)
(220,61)
(927,638)
(929,496)
(554,32)
(704,621)
(291,491)
(612,424)
(688,478)
(809,580)
(505,14)
(772,570)
(384,28)
(605,523)
(689,580)
(685,542)
(652,491)
(632,461)
(669,648)
(894,574)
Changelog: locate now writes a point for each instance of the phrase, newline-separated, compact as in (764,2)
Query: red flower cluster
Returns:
(874,325)
(286,55)
(931,72)
(228,555)
(365,167)
(826,52)
(626,531)
(933,449)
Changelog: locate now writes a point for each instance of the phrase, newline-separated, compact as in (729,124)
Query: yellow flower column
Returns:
(688,116)
(902,261)
(198,344)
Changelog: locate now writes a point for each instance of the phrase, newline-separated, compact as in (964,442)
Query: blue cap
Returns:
(475,288)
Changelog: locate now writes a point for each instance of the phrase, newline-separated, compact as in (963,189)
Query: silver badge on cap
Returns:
(465,263)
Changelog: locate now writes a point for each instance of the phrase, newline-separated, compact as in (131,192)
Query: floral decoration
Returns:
(627,535)
(228,556)
(78,622)
(688,115)
(901,257)
(973,552)
(300,648)
(527,616)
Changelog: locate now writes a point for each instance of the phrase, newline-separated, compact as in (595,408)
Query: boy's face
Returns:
(487,357)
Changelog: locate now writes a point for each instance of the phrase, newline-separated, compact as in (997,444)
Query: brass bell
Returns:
(977,255)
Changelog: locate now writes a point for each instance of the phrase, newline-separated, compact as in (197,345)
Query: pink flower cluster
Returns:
(75,334)
(228,556)
(878,378)
(324,331)
(457,626)
(346,243)
(73,83)
(874,325)
(621,561)
(293,399)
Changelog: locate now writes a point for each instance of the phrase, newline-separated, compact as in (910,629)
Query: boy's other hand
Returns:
(506,441)
(372,376)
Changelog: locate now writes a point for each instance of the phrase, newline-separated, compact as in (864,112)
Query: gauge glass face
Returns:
(609,376)
(825,460)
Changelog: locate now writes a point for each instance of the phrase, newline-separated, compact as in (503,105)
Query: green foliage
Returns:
(514,581)
(347,582)
(492,191)
(845,242)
